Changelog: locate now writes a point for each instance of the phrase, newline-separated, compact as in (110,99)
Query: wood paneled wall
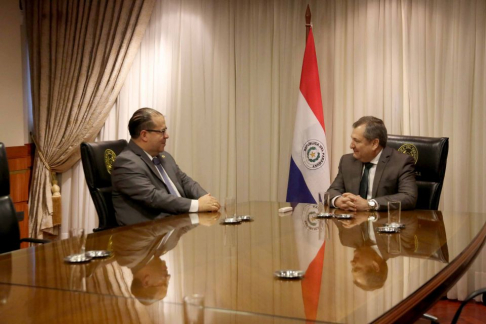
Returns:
(20,159)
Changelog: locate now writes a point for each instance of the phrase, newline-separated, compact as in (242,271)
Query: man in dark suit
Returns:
(147,183)
(373,174)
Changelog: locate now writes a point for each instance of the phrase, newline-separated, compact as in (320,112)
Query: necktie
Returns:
(363,185)
(171,188)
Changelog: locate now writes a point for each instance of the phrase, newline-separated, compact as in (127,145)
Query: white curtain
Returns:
(226,75)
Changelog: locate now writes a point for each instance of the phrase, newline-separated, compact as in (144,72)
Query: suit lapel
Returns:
(356,170)
(141,153)
(384,158)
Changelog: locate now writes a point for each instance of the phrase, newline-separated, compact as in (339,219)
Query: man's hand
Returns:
(346,202)
(208,203)
(361,204)
(351,202)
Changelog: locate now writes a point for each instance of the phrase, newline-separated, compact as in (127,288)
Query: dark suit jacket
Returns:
(394,179)
(140,194)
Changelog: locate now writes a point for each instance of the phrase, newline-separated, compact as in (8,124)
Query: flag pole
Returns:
(308,17)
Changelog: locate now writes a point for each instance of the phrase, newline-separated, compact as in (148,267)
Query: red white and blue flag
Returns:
(309,163)
(309,175)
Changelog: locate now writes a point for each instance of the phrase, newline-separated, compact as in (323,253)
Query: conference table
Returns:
(190,268)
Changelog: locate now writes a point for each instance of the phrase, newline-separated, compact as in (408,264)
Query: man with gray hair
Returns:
(373,174)
(147,182)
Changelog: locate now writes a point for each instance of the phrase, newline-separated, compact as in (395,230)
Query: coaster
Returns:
(324,215)
(289,274)
(231,221)
(77,258)
(344,216)
(98,254)
(388,230)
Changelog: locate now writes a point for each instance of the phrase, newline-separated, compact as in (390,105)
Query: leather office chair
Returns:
(98,159)
(430,154)
(9,226)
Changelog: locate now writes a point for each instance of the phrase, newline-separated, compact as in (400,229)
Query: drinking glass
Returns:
(193,309)
(323,204)
(78,240)
(230,207)
(394,213)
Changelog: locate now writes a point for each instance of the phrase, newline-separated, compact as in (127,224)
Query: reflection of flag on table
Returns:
(310,242)
(309,163)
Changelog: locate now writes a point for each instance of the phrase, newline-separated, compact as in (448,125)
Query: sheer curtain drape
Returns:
(226,75)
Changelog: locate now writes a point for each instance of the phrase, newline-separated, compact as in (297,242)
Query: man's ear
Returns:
(145,280)
(143,136)
(375,265)
(375,143)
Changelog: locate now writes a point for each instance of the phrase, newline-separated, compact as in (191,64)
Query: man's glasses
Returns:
(161,131)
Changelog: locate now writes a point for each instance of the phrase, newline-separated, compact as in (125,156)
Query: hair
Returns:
(142,119)
(375,128)
(374,279)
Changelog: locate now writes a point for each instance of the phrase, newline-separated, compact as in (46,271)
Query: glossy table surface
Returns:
(350,276)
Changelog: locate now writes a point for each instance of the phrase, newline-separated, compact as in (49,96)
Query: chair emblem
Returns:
(110,157)
(409,149)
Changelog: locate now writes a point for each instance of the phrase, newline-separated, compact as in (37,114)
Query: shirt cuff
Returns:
(334,200)
(194,206)
(194,219)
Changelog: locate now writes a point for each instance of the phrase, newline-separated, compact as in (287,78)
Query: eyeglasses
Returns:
(161,131)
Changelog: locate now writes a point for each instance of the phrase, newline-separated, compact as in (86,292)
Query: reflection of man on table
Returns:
(372,250)
(140,250)
(148,184)
(374,173)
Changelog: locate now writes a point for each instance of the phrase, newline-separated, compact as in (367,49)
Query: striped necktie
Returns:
(167,182)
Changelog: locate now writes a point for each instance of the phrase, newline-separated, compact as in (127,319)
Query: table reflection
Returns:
(140,250)
(423,237)
(352,274)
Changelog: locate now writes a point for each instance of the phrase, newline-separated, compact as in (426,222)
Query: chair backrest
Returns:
(98,159)
(430,154)
(9,226)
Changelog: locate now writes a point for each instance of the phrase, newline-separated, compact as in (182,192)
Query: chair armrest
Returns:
(32,240)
